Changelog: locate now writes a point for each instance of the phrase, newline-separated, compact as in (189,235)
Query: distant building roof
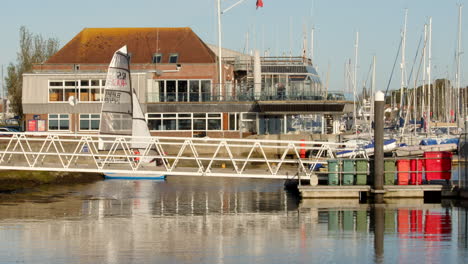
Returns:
(97,45)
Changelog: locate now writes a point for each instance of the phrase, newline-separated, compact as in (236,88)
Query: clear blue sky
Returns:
(278,26)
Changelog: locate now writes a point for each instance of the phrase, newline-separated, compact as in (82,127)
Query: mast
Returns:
(457,76)
(423,100)
(403,65)
(429,81)
(220,56)
(312,44)
(3,97)
(356,46)
(371,118)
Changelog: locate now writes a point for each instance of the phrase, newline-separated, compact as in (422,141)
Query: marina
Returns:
(209,132)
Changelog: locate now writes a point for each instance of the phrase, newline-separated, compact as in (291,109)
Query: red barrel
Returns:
(302,151)
(416,166)
(403,167)
(438,165)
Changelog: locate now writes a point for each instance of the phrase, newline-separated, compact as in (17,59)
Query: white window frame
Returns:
(177,117)
(78,89)
(59,118)
(90,119)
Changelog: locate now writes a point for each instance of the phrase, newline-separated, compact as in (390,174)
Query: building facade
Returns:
(175,76)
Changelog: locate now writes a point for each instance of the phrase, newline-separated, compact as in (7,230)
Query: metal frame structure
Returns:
(254,158)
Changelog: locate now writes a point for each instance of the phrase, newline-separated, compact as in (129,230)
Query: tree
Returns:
(33,49)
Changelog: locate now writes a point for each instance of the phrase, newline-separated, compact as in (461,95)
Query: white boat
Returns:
(121,113)
(365,149)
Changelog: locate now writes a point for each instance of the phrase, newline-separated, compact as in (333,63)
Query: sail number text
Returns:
(112,97)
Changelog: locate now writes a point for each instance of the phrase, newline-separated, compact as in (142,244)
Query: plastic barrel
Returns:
(302,151)
(416,166)
(333,172)
(361,172)
(403,167)
(389,175)
(438,165)
(348,172)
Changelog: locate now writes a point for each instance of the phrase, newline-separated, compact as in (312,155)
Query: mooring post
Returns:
(379,145)
(466,124)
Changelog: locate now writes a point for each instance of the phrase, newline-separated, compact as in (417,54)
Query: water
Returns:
(220,220)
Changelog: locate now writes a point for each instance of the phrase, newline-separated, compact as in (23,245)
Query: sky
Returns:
(277,28)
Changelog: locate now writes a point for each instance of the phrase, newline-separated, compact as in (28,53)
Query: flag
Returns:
(259,3)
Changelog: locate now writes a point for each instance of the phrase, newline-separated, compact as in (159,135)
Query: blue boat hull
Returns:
(129,176)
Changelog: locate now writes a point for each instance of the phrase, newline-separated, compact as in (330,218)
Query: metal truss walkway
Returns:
(164,155)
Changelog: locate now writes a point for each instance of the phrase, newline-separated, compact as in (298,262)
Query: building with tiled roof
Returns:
(175,75)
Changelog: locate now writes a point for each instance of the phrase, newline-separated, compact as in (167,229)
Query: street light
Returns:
(220,54)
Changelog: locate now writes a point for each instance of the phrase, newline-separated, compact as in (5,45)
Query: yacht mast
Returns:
(403,65)
(423,103)
(457,76)
(356,45)
(429,81)
(371,118)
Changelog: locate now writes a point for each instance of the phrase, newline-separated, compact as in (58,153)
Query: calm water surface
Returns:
(218,220)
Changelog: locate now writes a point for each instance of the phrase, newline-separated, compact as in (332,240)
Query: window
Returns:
(173,58)
(89,122)
(179,91)
(84,90)
(185,121)
(157,57)
(59,122)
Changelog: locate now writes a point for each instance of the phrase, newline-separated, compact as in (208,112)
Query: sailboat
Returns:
(121,113)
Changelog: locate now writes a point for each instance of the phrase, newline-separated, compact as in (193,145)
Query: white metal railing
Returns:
(175,155)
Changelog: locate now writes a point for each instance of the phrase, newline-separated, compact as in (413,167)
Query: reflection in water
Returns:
(212,220)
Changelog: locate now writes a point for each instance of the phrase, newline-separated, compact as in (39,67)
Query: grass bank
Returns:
(11,180)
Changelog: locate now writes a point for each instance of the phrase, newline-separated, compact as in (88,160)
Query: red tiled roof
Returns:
(97,45)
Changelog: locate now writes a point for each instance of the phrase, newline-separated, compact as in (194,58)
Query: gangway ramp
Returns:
(252,158)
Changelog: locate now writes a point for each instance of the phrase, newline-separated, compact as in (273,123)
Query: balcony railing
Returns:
(243,96)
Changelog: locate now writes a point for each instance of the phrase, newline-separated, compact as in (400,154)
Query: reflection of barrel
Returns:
(416,220)
(416,167)
(403,167)
(403,221)
(348,220)
(333,172)
(333,221)
(438,165)
(437,225)
(348,172)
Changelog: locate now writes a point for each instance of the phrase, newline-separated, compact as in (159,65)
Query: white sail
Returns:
(116,113)
(139,126)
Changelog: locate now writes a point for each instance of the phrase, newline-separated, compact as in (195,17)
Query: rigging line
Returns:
(368,74)
(415,89)
(393,68)
(414,61)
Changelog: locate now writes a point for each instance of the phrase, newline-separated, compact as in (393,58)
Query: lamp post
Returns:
(220,52)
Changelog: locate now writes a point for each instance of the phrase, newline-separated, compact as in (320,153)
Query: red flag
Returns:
(259,3)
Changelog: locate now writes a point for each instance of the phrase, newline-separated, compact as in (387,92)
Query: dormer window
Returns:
(173,58)
(157,57)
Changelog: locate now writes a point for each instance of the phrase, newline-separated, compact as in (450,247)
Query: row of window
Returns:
(164,122)
(185,121)
(61,122)
(159,91)
(88,90)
